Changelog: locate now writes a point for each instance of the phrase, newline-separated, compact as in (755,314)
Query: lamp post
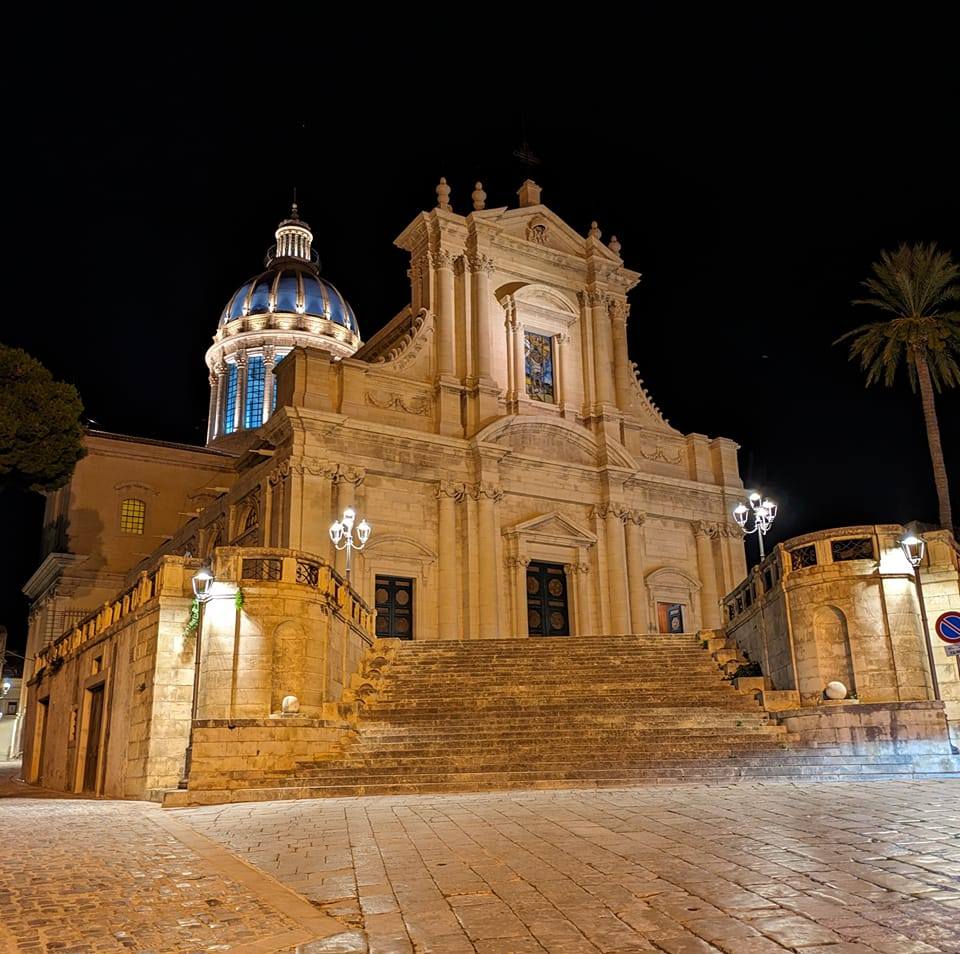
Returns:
(913,549)
(202,590)
(341,533)
(764,513)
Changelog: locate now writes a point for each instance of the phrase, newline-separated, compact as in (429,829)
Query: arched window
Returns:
(133,513)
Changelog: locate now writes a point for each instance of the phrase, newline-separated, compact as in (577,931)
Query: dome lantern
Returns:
(294,239)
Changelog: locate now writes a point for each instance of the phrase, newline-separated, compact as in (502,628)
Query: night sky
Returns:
(751,174)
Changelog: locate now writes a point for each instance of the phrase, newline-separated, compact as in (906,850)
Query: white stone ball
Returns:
(836,690)
(291,704)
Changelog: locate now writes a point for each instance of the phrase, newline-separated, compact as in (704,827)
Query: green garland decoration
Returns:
(238,599)
(193,620)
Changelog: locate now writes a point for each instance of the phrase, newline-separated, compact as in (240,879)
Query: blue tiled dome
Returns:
(290,287)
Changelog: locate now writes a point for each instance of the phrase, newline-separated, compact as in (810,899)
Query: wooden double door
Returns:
(548,611)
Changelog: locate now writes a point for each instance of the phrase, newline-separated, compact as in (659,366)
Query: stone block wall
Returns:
(811,615)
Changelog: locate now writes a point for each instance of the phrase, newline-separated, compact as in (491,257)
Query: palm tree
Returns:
(918,288)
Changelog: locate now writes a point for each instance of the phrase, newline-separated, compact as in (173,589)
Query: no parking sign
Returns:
(948,626)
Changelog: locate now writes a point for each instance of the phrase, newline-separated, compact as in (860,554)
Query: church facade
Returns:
(519,480)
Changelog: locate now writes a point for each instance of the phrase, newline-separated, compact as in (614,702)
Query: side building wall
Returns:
(841,605)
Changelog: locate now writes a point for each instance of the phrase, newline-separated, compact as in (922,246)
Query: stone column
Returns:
(241,405)
(448,495)
(212,421)
(602,347)
(616,568)
(487,496)
(518,566)
(560,369)
(480,269)
(269,363)
(220,370)
(709,598)
(510,324)
(445,315)
(622,371)
(636,566)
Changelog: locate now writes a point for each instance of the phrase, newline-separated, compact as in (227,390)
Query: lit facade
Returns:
(519,479)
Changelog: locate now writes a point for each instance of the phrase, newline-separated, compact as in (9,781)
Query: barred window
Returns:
(803,556)
(230,405)
(853,548)
(253,413)
(133,513)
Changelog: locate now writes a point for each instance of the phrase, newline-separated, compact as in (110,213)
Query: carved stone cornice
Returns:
(387,400)
(451,488)
(485,488)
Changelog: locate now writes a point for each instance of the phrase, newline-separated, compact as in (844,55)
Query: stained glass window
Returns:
(253,412)
(133,513)
(230,405)
(539,366)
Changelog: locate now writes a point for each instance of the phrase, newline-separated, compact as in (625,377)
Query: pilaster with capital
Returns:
(602,346)
(441,261)
(269,383)
(241,403)
(448,494)
(636,568)
(481,268)
(705,532)
(212,421)
(612,515)
(487,496)
(622,371)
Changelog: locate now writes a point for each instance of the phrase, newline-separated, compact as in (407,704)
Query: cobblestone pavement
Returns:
(84,876)
(752,868)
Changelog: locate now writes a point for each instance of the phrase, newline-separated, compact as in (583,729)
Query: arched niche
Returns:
(834,656)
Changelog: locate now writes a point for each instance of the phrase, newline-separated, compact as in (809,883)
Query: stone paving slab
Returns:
(746,868)
(85,876)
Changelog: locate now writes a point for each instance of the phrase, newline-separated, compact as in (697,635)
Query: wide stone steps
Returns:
(545,714)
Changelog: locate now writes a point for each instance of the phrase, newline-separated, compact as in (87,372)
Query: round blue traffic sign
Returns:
(948,626)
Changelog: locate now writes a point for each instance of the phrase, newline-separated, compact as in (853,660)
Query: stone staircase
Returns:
(557,713)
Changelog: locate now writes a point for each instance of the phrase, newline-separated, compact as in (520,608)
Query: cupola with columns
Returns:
(286,306)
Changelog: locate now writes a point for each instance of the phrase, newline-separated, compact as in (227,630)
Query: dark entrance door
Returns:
(394,607)
(91,761)
(547,613)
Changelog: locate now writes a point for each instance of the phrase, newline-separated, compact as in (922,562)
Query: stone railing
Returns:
(863,546)
(269,564)
(232,566)
(95,623)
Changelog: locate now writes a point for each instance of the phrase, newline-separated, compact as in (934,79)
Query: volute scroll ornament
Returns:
(517,562)
(602,511)
(487,489)
(706,528)
(451,488)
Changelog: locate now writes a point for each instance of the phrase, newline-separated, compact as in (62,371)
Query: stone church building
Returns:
(519,480)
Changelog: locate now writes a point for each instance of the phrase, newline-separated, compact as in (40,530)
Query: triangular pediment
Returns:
(552,527)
